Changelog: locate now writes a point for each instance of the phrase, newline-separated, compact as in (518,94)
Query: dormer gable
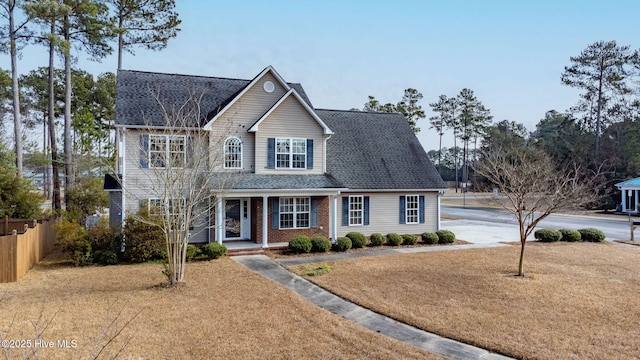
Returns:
(268,87)
(292,93)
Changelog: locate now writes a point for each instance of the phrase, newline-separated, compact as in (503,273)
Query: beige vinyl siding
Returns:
(289,120)
(384,214)
(142,184)
(238,118)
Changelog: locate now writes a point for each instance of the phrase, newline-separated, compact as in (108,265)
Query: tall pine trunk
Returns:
(57,205)
(68,151)
(17,123)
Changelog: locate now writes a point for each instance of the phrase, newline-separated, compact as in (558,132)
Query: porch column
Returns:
(220,220)
(635,206)
(334,218)
(624,200)
(265,219)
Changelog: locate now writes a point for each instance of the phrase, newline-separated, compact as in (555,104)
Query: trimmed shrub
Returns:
(429,238)
(214,250)
(143,242)
(320,244)
(409,239)
(547,235)
(75,242)
(446,236)
(591,235)
(343,244)
(394,239)
(570,235)
(376,239)
(105,243)
(358,240)
(192,252)
(300,244)
(106,257)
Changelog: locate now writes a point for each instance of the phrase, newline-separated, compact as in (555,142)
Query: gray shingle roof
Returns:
(377,151)
(271,182)
(135,91)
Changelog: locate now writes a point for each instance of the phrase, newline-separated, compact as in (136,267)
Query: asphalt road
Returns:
(487,225)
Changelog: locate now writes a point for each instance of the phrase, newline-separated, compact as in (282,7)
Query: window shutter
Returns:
(275,213)
(403,211)
(143,204)
(189,151)
(186,201)
(365,221)
(421,208)
(144,151)
(313,221)
(309,153)
(271,153)
(345,211)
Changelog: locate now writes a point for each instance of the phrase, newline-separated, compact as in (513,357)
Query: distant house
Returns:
(630,195)
(305,171)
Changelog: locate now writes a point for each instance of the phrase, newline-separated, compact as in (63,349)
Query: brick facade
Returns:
(275,235)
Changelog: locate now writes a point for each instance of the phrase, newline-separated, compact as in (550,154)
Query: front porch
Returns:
(244,222)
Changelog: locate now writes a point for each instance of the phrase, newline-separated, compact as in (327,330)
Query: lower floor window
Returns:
(412,209)
(294,212)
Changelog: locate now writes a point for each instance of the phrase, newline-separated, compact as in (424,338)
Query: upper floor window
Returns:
(233,153)
(167,151)
(291,153)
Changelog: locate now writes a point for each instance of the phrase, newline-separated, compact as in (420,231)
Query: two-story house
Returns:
(302,171)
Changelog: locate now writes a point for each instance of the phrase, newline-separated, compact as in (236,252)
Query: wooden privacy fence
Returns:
(20,251)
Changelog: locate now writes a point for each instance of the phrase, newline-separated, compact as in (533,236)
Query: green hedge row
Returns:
(586,234)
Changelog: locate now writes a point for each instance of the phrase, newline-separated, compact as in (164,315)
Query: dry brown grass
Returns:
(580,301)
(223,312)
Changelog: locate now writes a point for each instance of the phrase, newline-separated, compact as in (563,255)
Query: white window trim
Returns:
(406,209)
(291,153)
(167,151)
(361,211)
(225,153)
(295,213)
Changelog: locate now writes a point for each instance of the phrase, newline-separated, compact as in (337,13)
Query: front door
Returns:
(233,222)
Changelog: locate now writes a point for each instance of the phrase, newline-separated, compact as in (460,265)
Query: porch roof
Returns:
(252,181)
(629,184)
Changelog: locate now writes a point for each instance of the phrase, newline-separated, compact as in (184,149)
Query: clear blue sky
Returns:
(511,53)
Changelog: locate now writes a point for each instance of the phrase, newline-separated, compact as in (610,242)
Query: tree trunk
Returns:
(57,206)
(521,264)
(68,152)
(598,118)
(440,156)
(120,37)
(17,123)
(455,157)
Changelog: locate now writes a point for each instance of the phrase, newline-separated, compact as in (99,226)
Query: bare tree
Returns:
(182,176)
(532,188)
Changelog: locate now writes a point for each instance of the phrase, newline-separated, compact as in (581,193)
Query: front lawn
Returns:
(578,301)
(225,311)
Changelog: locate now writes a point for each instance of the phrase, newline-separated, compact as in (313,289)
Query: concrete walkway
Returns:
(359,315)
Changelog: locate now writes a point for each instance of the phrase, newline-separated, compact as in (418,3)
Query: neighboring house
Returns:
(630,196)
(304,171)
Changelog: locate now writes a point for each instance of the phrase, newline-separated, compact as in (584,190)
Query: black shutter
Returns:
(309,153)
(144,151)
(421,208)
(271,153)
(366,211)
(313,221)
(275,213)
(403,205)
(345,211)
